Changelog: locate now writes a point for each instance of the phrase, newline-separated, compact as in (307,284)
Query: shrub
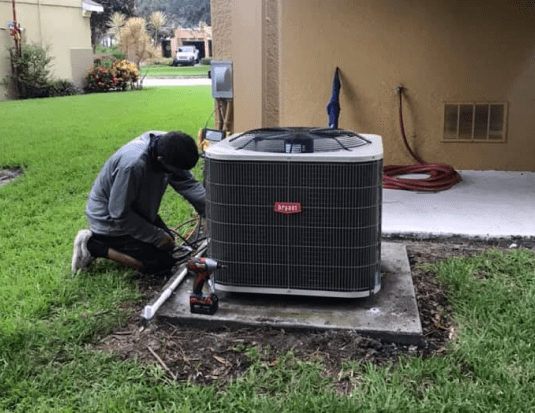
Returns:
(31,74)
(126,70)
(62,87)
(165,61)
(103,60)
(30,71)
(119,76)
(102,79)
(206,60)
(110,51)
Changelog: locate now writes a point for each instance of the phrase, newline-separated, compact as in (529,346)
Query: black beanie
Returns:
(178,150)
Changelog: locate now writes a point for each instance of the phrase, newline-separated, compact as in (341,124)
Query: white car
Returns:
(186,55)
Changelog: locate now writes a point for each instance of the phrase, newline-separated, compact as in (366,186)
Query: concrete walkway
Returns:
(192,81)
(485,204)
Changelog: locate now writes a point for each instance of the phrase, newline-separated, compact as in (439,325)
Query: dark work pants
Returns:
(154,260)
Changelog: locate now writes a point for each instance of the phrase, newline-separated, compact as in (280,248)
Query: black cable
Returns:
(208,120)
(182,238)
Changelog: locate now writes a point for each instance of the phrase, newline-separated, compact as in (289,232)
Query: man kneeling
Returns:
(122,209)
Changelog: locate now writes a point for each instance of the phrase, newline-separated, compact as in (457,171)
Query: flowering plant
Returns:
(117,77)
(101,79)
(126,70)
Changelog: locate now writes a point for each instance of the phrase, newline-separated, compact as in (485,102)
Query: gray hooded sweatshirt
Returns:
(126,195)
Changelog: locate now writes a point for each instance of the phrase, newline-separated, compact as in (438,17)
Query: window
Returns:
(474,122)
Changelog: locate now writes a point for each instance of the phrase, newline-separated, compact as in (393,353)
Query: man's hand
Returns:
(167,243)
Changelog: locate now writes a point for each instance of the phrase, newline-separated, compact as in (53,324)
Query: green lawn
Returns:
(175,71)
(48,318)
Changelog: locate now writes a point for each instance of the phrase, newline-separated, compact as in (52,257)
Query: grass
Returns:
(175,71)
(48,319)
(61,143)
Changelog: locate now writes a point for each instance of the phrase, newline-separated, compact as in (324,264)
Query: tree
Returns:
(194,11)
(99,21)
(116,22)
(185,13)
(134,40)
(157,22)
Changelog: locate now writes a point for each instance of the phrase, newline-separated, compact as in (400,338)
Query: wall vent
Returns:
(475,122)
(296,211)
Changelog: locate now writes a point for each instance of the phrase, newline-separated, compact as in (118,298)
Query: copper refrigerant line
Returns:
(224,110)
(441,176)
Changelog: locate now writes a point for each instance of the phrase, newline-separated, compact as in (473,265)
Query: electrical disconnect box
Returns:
(221,73)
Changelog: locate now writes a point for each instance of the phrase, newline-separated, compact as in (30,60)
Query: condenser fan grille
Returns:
(330,243)
(298,140)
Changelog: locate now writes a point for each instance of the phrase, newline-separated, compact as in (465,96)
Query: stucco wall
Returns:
(248,68)
(247,32)
(221,17)
(58,24)
(271,51)
(440,51)
(5,68)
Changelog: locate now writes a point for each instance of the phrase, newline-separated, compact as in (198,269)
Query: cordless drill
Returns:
(199,303)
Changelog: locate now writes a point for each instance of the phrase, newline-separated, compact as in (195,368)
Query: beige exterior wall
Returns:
(59,24)
(248,34)
(5,41)
(221,16)
(248,57)
(183,35)
(440,51)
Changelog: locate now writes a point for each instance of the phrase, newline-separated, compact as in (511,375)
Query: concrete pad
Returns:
(393,316)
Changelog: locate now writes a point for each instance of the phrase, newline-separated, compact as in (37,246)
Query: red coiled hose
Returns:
(440,177)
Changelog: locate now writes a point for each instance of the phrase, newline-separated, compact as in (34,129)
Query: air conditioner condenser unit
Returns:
(296,211)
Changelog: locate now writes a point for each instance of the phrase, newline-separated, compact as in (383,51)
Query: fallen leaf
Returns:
(221,360)
(315,354)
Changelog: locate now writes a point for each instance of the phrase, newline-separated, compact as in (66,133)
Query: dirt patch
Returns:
(203,356)
(7,175)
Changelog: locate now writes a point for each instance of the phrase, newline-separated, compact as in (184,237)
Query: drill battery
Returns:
(200,304)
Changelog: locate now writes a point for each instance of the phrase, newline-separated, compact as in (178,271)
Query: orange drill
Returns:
(199,303)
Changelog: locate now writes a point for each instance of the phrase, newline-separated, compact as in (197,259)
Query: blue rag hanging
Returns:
(333,108)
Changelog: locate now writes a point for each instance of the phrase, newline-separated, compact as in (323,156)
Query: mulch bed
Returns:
(203,356)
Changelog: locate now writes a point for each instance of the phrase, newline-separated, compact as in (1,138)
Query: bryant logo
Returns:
(287,208)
